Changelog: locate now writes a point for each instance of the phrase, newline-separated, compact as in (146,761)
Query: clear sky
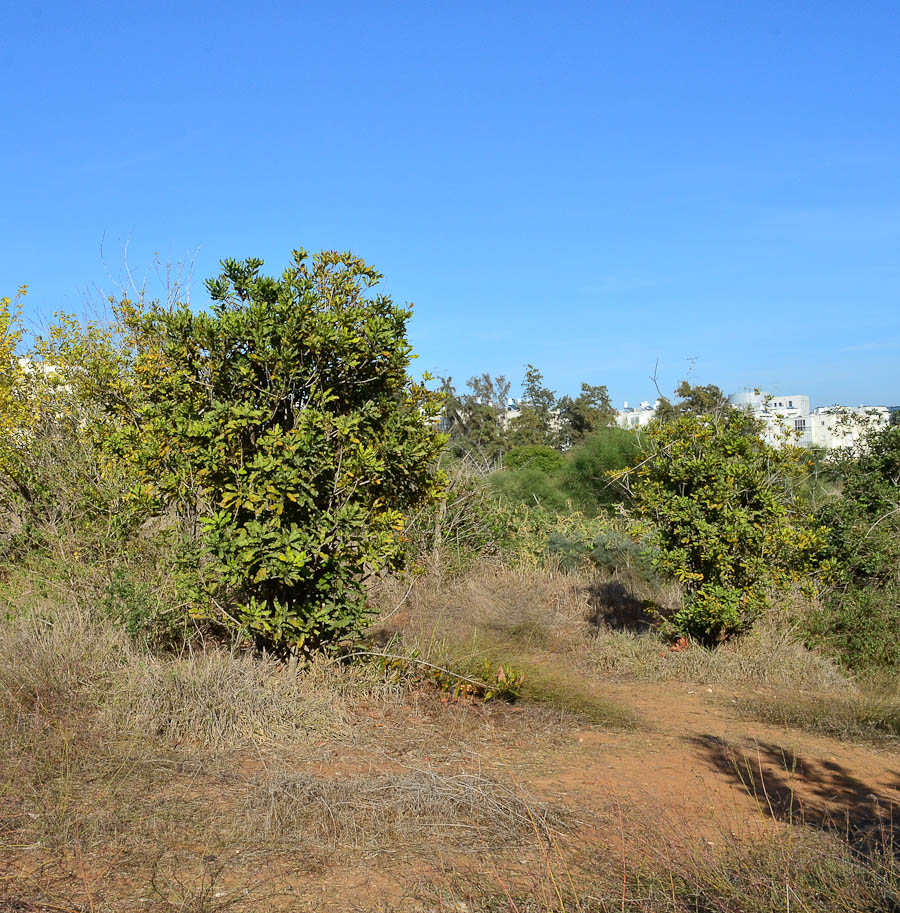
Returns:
(588,186)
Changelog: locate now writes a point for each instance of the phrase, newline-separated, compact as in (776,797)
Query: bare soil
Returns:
(692,765)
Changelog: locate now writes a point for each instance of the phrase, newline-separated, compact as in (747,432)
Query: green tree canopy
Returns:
(535,423)
(692,400)
(285,420)
(476,421)
(587,413)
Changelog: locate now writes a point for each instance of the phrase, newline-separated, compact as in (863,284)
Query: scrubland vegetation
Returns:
(271,641)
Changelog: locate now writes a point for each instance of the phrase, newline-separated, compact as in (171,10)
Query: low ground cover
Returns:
(220,780)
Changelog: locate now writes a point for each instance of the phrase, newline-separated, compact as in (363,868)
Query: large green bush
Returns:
(534,456)
(281,424)
(529,487)
(725,519)
(861,626)
(863,518)
(859,618)
(586,479)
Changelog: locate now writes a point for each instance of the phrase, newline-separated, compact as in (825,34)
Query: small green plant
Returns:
(490,681)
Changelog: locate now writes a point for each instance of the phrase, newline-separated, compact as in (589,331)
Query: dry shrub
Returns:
(542,607)
(56,658)
(222,699)
(527,611)
(630,599)
(361,810)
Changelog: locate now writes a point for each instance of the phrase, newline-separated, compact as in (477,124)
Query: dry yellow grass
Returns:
(221,781)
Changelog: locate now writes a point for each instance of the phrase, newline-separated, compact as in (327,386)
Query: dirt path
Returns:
(695,762)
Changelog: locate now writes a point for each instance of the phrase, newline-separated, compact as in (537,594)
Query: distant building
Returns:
(630,417)
(787,418)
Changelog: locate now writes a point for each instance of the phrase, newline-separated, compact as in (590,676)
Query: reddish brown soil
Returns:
(691,766)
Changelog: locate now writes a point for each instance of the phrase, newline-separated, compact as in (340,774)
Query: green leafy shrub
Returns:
(714,609)
(859,617)
(534,456)
(282,425)
(538,475)
(530,487)
(585,477)
(146,610)
(725,521)
(54,480)
(861,625)
(863,518)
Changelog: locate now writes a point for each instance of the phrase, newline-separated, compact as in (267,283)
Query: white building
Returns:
(787,418)
(630,417)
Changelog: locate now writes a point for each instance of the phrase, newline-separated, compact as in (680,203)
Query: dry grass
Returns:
(856,717)
(790,868)
(126,775)
(539,607)
(387,809)
(766,656)
(658,868)
(529,619)
(221,699)
(550,621)
(56,658)
(59,660)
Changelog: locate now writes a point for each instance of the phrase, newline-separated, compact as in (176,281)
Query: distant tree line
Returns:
(484,423)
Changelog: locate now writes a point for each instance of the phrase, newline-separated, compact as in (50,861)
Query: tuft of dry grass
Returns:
(868,718)
(659,869)
(765,656)
(223,699)
(56,658)
(790,868)
(539,608)
(384,809)
(59,661)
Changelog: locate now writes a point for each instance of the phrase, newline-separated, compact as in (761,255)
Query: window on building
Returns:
(790,404)
(800,424)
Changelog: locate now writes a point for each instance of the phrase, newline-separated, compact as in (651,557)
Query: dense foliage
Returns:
(284,418)
(256,463)
(279,431)
(485,426)
(860,616)
(724,516)
(692,399)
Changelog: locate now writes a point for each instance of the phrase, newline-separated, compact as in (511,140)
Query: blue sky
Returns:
(589,187)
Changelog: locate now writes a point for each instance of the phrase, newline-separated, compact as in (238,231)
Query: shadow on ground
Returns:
(613,605)
(799,790)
